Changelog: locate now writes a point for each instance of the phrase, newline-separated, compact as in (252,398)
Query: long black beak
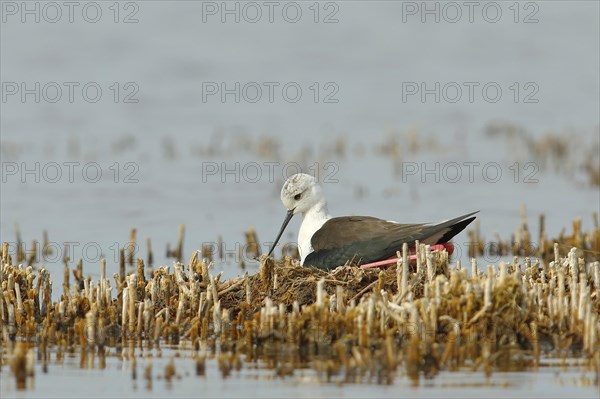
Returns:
(288,217)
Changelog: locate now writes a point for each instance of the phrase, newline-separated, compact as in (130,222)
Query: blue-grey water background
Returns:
(184,156)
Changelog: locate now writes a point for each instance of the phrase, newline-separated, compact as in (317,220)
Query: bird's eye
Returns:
(298,196)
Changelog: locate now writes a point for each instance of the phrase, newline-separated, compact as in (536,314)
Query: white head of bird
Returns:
(302,194)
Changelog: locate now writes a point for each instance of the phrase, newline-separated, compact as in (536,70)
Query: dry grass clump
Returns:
(349,324)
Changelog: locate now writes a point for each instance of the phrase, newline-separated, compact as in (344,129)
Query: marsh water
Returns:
(71,379)
(185,130)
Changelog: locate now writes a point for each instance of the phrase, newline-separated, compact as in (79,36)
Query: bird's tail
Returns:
(452,227)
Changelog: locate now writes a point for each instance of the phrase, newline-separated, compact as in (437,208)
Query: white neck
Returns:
(312,220)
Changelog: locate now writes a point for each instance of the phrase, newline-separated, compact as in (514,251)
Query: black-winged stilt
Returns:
(327,242)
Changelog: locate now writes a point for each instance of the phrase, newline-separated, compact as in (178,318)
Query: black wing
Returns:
(370,239)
